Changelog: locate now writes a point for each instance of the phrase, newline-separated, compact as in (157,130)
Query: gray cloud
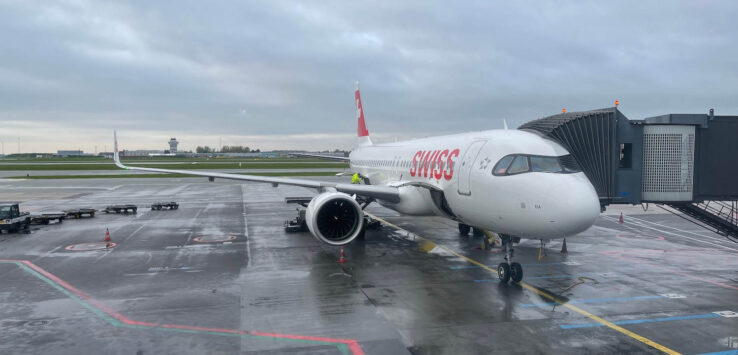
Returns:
(279,74)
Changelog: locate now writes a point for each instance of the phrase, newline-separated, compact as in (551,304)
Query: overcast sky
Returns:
(279,74)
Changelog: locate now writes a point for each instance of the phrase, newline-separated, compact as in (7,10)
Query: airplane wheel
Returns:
(464,229)
(516,272)
(503,272)
(477,232)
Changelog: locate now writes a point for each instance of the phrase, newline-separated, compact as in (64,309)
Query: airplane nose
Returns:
(580,206)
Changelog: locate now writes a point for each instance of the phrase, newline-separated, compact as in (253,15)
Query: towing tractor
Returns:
(11,218)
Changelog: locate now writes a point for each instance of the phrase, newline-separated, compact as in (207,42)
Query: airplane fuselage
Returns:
(452,176)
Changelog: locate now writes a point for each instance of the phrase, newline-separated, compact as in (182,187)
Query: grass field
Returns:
(191,166)
(153,159)
(127,176)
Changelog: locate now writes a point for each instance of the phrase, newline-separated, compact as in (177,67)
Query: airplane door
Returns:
(466,164)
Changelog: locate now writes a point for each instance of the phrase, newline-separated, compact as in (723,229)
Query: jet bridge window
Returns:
(626,156)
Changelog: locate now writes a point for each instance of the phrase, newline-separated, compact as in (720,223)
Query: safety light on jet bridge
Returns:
(617,103)
(563,110)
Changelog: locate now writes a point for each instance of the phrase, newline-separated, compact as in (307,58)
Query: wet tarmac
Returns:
(220,276)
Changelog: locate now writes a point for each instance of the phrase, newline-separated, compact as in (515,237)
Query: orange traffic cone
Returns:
(342,259)
(107,239)
(563,248)
(621,218)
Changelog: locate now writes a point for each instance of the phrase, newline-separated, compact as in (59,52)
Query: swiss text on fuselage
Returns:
(434,164)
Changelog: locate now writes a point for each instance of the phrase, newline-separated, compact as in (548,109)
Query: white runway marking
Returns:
(55,187)
(246,228)
(680,230)
(615,220)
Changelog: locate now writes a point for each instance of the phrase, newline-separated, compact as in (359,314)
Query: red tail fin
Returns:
(362,131)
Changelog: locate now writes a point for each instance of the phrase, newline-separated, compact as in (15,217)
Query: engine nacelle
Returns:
(334,218)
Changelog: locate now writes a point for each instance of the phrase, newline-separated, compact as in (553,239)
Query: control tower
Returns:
(173,146)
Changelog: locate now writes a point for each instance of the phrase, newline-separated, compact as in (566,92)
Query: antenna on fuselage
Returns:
(504,124)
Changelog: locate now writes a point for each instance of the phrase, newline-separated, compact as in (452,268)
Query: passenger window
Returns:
(501,166)
(519,165)
(545,164)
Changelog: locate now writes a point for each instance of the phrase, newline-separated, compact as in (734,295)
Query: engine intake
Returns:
(334,218)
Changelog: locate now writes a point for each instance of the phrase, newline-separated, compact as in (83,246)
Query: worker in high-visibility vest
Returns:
(356,179)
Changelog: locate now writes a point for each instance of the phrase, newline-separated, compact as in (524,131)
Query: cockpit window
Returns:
(545,164)
(501,167)
(521,163)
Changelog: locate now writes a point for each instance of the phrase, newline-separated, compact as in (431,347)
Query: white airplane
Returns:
(515,183)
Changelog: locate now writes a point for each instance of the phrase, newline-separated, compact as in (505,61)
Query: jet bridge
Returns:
(686,162)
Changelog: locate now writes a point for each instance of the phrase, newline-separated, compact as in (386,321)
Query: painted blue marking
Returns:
(463,267)
(594,300)
(539,277)
(640,321)
(487,280)
(552,277)
(727,352)
(544,264)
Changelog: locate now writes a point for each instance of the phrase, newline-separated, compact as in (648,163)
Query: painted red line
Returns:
(52,277)
(84,296)
(353,345)
(706,280)
(303,337)
(638,237)
(206,329)
(145,324)
(667,269)
(355,348)
(646,251)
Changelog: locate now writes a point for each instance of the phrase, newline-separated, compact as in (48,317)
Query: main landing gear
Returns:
(509,270)
(464,229)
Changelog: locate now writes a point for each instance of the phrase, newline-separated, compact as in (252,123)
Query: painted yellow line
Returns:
(547,295)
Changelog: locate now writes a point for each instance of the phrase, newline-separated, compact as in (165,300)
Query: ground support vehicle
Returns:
(162,205)
(78,213)
(46,218)
(12,219)
(121,209)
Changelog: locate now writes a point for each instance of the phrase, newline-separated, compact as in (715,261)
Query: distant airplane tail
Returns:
(116,158)
(363,133)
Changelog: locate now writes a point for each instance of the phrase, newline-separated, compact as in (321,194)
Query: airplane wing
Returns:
(320,156)
(386,193)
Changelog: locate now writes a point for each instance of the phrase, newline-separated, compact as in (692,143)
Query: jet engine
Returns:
(334,218)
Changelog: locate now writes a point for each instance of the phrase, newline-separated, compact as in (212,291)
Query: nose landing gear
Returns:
(464,229)
(509,270)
